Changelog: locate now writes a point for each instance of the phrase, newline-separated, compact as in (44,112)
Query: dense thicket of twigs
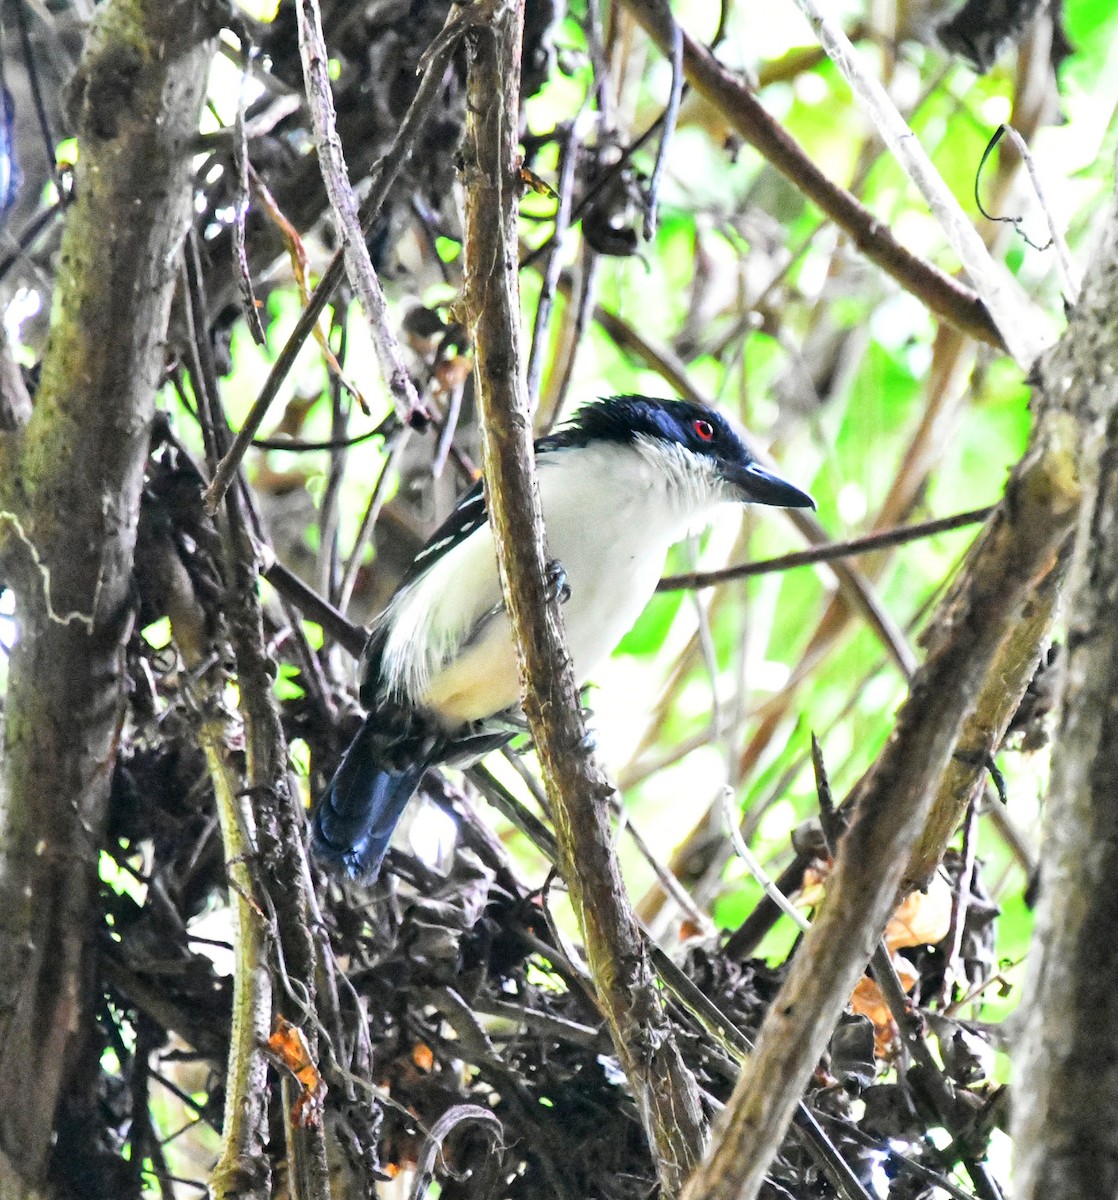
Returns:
(452,987)
(448,995)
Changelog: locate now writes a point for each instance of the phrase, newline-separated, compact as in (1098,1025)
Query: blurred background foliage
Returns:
(745,297)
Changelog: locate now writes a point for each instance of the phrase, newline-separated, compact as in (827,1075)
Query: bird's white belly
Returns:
(612,559)
(612,575)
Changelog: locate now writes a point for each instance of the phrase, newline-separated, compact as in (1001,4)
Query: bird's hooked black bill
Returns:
(760,486)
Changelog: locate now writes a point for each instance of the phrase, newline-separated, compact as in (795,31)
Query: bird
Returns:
(623,481)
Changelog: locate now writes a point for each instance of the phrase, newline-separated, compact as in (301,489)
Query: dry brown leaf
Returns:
(288,1046)
(922,918)
(423,1056)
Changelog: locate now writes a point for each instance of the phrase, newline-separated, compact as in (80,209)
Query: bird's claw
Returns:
(557,585)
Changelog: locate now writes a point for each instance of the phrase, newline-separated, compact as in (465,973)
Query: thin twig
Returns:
(250,306)
(283,873)
(741,848)
(576,318)
(31,66)
(343,202)
(960,905)
(668,881)
(369,520)
(334,623)
(294,446)
(274,824)
(675,57)
(447,432)
(845,549)
(329,509)
(1069,276)
(383,177)
(568,158)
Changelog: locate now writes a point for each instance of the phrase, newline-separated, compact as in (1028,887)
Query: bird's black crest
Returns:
(623,419)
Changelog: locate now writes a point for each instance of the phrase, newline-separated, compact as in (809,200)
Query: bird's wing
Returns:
(470,513)
(466,517)
(449,594)
(451,586)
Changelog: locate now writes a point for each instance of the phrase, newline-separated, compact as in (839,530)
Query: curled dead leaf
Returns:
(288,1046)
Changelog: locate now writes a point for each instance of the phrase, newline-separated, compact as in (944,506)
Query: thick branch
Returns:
(998,578)
(1066,1145)
(70,512)
(664,1088)
(998,700)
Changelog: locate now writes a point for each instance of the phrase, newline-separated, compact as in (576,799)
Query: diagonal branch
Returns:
(343,203)
(384,175)
(1018,320)
(1019,547)
(946,297)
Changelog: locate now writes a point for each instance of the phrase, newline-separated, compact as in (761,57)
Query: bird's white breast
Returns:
(610,512)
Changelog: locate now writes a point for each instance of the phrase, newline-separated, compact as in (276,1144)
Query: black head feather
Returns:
(623,419)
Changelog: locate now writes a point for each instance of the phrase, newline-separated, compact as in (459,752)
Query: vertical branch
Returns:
(644,1040)
(280,833)
(281,880)
(69,505)
(242,1169)
(273,905)
(1066,1077)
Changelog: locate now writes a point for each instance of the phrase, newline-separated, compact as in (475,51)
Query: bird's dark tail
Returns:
(353,821)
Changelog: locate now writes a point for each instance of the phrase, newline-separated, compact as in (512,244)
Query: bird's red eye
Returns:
(705,430)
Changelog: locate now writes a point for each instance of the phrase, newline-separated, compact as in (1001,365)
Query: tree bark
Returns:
(69,500)
(1066,1090)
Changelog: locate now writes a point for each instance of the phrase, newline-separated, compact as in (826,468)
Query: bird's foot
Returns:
(557,586)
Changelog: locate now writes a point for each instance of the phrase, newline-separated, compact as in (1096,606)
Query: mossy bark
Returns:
(69,501)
